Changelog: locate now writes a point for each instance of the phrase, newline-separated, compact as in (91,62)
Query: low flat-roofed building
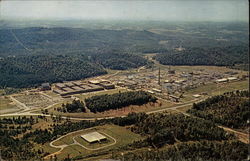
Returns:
(94,81)
(59,85)
(77,83)
(196,95)
(180,81)
(84,86)
(232,78)
(156,90)
(174,98)
(58,91)
(69,84)
(68,89)
(95,87)
(107,85)
(149,91)
(94,137)
(77,88)
(221,80)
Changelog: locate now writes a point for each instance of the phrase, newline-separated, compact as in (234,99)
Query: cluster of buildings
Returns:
(167,83)
(170,82)
(224,80)
(76,87)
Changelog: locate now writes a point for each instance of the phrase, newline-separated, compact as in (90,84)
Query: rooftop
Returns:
(93,137)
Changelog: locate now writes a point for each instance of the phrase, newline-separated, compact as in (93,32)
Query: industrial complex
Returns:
(76,87)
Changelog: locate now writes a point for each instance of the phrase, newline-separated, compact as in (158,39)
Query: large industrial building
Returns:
(76,87)
(94,137)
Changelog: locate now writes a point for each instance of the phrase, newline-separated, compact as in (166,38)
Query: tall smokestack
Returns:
(159,77)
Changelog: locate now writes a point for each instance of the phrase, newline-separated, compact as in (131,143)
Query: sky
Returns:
(163,10)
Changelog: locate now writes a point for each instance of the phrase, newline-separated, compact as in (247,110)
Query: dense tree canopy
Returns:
(119,61)
(33,70)
(118,100)
(225,56)
(167,129)
(230,109)
(195,151)
(75,106)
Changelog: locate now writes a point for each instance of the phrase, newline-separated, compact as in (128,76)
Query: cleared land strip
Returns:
(243,137)
(19,42)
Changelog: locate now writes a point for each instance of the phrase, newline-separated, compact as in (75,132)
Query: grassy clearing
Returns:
(46,147)
(122,135)
(7,106)
(6,103)
(215,89)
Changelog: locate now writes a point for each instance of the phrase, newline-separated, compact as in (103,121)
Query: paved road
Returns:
(29,113)
(75,142)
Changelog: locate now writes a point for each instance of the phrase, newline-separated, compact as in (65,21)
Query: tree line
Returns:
(195,151)
(118,100)
(221,56)
(230,109)
(29,71)
(162,129)
(75,106)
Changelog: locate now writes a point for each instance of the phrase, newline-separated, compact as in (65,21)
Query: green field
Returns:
(121,135)
(216,89)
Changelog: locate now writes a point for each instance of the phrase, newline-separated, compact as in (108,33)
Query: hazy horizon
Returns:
(191,10)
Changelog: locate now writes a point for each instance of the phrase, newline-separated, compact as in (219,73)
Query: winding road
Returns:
(75,142)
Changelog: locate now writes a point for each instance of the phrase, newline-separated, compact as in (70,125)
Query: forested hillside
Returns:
(180,137)
(164,136)
(119,61)
(89,50)
(230,109)
(40,40)
(222,56)
(195,151)
(164,129)
(30,71)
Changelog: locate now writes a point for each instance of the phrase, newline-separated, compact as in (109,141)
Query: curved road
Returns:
(75,142)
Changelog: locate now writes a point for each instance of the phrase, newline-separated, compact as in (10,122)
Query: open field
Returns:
(5,103)
(216,89)
(115,135)
(34,100)
(211,89)
(7,106)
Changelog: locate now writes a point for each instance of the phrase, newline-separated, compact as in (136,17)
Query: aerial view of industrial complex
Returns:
(124,84)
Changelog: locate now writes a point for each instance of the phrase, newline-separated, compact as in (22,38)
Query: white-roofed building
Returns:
(93,137)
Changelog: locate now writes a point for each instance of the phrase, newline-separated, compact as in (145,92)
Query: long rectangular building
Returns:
(69,88)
